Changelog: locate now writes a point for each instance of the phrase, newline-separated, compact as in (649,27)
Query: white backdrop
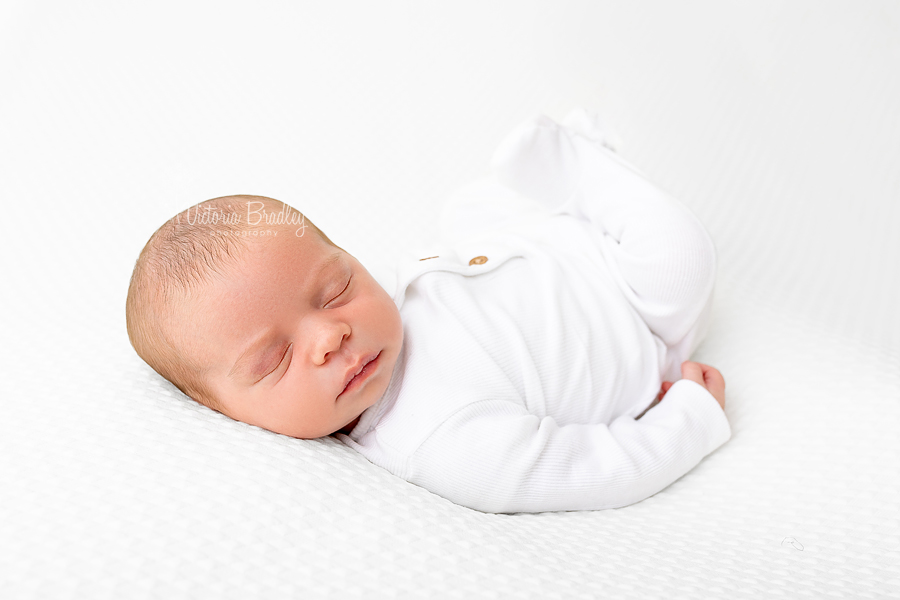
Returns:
(777,122)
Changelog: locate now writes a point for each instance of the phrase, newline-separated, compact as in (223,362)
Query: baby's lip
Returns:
(354,370)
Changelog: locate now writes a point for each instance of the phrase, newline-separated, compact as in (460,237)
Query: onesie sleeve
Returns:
(494,456)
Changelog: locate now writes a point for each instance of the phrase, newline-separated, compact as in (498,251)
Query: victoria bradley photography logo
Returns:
(254,215)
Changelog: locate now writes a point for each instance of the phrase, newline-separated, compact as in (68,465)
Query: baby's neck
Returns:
(348,427)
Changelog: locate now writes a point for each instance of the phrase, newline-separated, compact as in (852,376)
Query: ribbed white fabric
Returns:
(518,386)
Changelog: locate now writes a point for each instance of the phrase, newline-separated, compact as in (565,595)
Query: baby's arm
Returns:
(494,456)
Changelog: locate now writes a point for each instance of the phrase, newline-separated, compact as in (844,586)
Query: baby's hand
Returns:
(707,376)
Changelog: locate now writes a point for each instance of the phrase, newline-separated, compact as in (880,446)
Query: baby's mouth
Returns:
(362,374)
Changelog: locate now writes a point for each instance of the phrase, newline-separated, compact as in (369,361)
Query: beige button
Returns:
(478,260)
(427,257)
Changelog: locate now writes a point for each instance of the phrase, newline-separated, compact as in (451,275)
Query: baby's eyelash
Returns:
(278,363)
(283,357)
(342,291)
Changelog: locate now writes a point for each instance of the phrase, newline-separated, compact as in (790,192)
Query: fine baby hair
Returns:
(189,249)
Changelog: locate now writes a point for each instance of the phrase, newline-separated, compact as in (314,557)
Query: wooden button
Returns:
(427,257)
(478,260)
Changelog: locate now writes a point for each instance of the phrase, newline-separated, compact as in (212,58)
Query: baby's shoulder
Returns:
(481,207)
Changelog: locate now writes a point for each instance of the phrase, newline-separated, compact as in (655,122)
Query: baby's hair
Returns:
(188,250)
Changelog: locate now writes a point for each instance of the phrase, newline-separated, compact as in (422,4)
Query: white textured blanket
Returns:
(776,122)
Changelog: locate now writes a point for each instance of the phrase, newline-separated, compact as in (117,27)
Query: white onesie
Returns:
(573,288)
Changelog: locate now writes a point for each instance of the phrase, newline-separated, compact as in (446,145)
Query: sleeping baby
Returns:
(535,360)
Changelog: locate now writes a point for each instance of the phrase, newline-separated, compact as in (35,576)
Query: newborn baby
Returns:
(526,366)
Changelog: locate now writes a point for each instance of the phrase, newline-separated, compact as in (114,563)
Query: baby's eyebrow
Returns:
(263,346)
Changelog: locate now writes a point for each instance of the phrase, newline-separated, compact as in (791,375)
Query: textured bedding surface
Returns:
(776,122)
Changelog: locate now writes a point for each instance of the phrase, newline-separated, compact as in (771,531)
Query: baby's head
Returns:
(248,308)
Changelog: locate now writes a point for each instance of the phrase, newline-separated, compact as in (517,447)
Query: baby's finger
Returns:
(714,381)
(693,371)
(663,390)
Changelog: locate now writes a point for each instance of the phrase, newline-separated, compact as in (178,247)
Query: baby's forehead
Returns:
(263,261)
(305,253)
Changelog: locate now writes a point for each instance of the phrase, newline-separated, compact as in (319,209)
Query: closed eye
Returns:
(342,291)
(285,358)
